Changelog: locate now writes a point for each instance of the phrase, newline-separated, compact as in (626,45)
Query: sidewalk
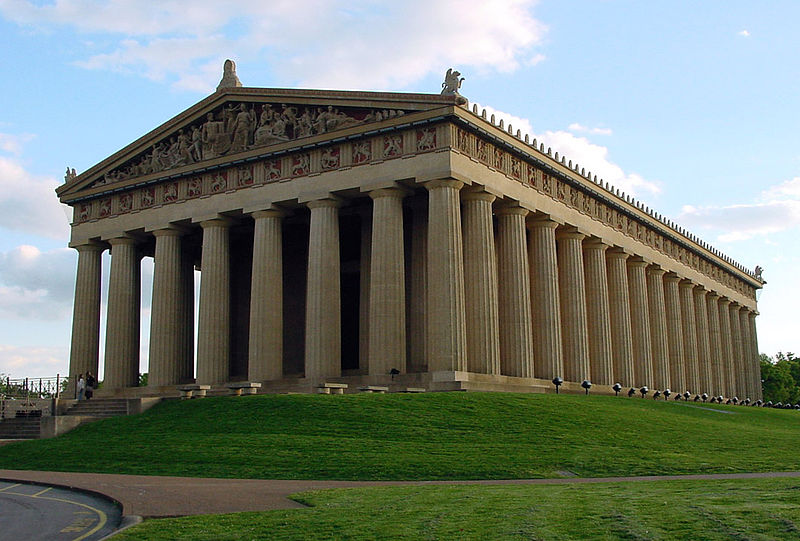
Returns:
(155,496)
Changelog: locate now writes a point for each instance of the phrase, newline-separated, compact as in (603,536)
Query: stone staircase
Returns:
(23,427)
(99,407)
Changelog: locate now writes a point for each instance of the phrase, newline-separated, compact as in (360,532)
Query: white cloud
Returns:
(13,143)
(355,44)
(580,128)
(776,209)
(28,203)
(744,33)
(580,150)
(35,284)
(32,362)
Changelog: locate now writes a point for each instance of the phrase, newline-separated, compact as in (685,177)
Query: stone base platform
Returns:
(415,382)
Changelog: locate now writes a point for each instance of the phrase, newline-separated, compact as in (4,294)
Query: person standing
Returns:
(91,385)
(81,387)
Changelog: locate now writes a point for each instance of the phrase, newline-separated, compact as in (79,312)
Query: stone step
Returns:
(20,428)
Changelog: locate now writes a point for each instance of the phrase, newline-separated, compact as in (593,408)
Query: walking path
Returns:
(157,496)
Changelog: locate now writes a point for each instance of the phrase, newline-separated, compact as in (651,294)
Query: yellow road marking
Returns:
(102,518)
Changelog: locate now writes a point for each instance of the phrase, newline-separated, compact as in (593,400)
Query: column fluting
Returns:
(598,312)
(323,357)
(418,286)
(265,351)
(84,352)
(545,304)
(621,333)
(640,323)
(167,340)
(446,346)
(689,329)
(516,325)
(703,341)
(716,350)
(672,303)
(737,364)
(759,394)
(747,350)
(658,327)
(572,292)
(387,291)
(481,283)
(214,317)
(123,315)
(726,338)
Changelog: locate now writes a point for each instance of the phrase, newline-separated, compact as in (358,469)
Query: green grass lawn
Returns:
(427,436)
(764,509)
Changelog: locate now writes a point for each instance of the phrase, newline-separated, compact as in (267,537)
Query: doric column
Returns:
(572,292)
(516,325)
(446,347)
(640,322)
(658,327)
(480,282)
(737,362)
(123,316)
(672,304)
(545,304)
(706,383)
(364,281)
(323,290)
(214,318)
(418,280)
(167,327)
(85,345)
(747,354)
(265,351)
(621,334)
(756,358)
(715,346)
(187,315)
(387,291)
(598,312)
(726,338)
(689,328)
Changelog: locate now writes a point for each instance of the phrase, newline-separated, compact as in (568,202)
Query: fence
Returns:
(34,388)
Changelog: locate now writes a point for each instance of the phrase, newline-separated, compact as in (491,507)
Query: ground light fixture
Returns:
(667,392)
(644,390)
(735,400)
(631,392)
(394,372)
(656,394)
(616,388)
(687,395)
(704,397)
(586,384)
(557,381)
(697,398)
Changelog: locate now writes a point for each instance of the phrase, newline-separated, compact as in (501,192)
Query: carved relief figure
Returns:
(361,152)
(452,83)
(219,182)
(241,130)
(482,151)
(171,192)
(148,197)
(426,139)
(84,212)
(301,165)
(330,158)
(125,202)
(245,176)
(272,170)
(70,175)
(194,188)
(392,146)
(105,208)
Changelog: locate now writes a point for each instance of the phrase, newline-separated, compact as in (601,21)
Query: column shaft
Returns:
(123,317)
(689,328)
(365,271)
(640,323)
(756,359)
(265,352)
(598,312)
(545,303)
(446,347)
(572,292)
(480,283)
(167,340)
(621,333)
(214,318)
(672,303)
(726,338)
(716,350)
(418,286)
(658,328)
(703,341)
(387,291)
(187,273)
(323,297)
(747,355)
(737,364)
(85,345)
(516,325)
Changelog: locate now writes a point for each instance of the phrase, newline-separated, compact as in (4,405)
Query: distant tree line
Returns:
(781,377)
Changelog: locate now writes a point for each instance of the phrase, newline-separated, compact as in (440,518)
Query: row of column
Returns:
(536,299)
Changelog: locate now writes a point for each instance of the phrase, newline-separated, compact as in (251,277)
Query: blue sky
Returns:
(691,106)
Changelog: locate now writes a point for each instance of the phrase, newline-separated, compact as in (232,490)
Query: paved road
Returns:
(38,512)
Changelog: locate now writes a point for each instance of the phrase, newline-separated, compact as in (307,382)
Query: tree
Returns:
(781,377)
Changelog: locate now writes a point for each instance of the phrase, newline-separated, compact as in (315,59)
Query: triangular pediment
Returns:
(238,123)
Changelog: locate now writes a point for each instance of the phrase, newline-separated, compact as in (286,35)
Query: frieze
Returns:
(238,127)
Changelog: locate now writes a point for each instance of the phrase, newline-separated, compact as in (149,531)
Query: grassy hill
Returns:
(427,436)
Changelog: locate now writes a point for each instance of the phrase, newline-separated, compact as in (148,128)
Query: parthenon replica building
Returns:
(390,239)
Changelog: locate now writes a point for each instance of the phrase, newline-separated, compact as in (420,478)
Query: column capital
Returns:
(685,283)
(123,240)
(393,191)
(169,231)
(327,202)
(509,208)
(595,243)
(753,314)
(655,270)
(443,183)
(615,252)
(221,221)
(570,233)
(268,213)
(672,278)
(724,300)
(89,246)
(477,193)
(637,261)
(712,296)
(542,221)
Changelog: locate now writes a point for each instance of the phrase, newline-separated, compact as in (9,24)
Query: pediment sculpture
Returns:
(238,127)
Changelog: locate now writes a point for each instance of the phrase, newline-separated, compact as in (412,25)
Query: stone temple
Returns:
(390,240)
